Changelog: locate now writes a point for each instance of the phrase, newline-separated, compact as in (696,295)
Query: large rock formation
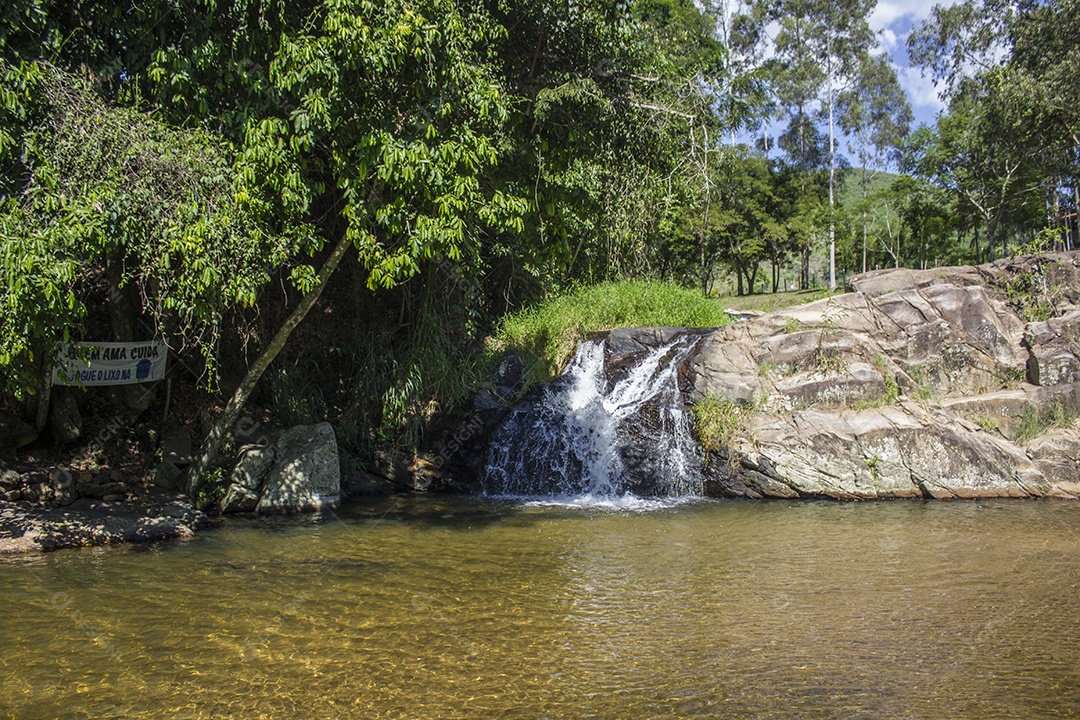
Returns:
(945,383)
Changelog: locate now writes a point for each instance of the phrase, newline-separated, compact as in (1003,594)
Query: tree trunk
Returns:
(832,176)
(211,446)
(804,270)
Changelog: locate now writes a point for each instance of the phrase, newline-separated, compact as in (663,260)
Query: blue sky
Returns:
(894,19)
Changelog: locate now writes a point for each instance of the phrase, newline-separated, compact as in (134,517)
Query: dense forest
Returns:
(326,207)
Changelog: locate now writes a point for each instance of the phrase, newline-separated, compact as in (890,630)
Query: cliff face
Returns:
(953,382)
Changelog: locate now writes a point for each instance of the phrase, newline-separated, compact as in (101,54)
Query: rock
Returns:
(92,522)
(1057,455)
(133,399)
(358,482)
(1055,350)
(850,385)
(63,486)
(625,346)
(100,490)
(14,432)
(65,420)
(176,447)
(10,480)
(365,484)
(239,498)
(252,466)
(889,452)
(487,400)
(181,509)
(167,476)
(509,377)
(306,473)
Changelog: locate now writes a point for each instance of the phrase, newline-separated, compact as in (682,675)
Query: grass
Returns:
(547,335)
(1037,421)
(717,421)
(767,302)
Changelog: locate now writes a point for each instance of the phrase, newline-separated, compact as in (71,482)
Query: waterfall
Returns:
(599,434)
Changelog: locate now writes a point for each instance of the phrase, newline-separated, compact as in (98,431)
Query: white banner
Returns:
(104,363)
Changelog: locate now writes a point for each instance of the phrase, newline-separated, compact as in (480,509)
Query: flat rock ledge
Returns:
(85,522)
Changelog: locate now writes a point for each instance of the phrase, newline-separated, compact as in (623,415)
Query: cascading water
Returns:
(588,435)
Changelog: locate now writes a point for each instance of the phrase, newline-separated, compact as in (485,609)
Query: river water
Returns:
(469,608)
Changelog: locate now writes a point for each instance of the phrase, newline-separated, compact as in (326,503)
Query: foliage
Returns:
(717,423)
(547,334)
(1037,421)
(119,203)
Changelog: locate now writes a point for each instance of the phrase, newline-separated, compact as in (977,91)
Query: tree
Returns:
(1009,70)
(875,114)
(820,44)
(120,209)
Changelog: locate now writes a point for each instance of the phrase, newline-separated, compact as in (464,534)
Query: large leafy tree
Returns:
(1009,70)
(120,210)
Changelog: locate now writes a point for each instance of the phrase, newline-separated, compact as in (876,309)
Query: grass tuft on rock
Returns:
(717,422)
(547,334)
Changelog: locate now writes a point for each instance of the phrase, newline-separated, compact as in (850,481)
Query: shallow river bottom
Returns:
(465,608)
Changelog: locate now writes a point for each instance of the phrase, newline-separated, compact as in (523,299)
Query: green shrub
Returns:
(1036,421)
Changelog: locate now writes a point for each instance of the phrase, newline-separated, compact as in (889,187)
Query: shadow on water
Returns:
(419,511)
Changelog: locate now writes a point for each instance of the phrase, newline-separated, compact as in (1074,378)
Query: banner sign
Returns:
(103,363)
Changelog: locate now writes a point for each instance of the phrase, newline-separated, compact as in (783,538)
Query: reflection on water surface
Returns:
(436,608)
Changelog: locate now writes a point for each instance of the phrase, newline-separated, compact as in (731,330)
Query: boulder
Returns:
(239,499)
(167,476)
(306,474)
(176,447)
(252,466)
(1054,348)
(15,432)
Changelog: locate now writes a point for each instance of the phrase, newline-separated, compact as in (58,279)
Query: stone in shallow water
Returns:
(306,474)
(239,499)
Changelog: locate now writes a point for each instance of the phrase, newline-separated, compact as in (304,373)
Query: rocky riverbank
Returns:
(945,383)
(154,516)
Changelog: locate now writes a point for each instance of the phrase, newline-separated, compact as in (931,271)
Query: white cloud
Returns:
(920,90)
(888,40)
(889,11)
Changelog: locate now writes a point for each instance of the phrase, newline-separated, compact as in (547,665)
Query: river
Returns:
(425,607)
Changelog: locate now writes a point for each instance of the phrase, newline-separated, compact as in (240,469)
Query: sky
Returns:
(894,19)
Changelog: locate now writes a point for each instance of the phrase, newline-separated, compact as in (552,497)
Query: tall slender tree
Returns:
(876,116)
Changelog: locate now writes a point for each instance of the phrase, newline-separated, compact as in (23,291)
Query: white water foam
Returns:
(612,503)
(572,444)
